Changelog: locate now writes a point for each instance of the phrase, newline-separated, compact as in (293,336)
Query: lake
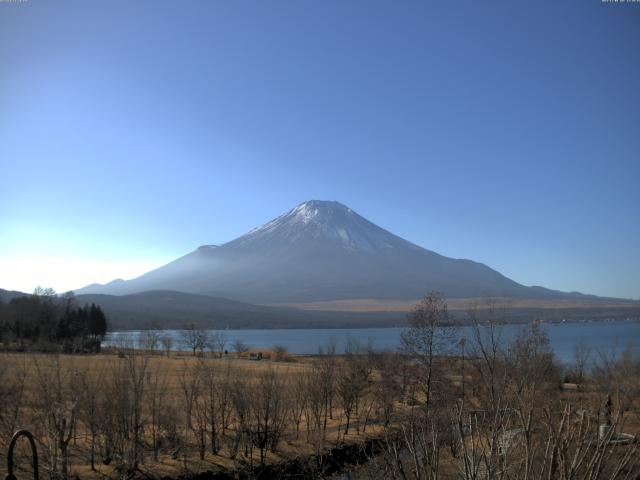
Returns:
(609,338)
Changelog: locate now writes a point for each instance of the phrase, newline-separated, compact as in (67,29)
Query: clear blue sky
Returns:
(132,132)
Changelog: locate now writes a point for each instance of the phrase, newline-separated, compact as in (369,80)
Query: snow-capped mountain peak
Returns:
(319,220)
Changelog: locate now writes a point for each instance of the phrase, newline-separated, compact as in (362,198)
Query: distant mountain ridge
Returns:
(159,309)
(7,295)
(322,251)
(170,309)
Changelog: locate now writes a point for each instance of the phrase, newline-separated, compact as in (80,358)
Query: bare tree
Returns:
(217,341)
(156,388)
(189,381)
(225,380)
(167,343)
(136,369)
(268,412)
(123,344)
(430,333)
(486,347)
(297,392)
(412,449)
(325,369)
(559,443)
(581,358)
(149,340)
(531,363)
(90,382)
(388,389)
(316,406)
(201,410)
(577,449)
(241,400)
(240,347)
(195,403)
(56,407)
(352,380)
(194,339)
(211,392)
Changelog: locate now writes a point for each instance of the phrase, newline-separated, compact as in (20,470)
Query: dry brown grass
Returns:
(172,368)
(376,305)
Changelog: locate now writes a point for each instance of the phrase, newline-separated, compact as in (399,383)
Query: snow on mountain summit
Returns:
(319,220)
(318,211)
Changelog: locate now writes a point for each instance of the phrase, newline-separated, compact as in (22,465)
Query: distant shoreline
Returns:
(354,326)
(603,336)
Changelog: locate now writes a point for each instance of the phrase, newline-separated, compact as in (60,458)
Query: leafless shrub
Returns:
(240,347)
(279,353)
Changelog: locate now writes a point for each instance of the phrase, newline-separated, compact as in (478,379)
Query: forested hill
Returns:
(169,309)
(7,295)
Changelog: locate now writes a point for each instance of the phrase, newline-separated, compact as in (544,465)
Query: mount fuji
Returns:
(322,251)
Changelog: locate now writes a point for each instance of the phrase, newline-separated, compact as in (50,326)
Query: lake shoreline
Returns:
(603,337)
(351,327)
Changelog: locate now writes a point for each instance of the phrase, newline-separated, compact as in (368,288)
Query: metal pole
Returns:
(34,454)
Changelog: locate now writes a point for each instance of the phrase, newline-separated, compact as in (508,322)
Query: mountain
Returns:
(160,309)
(322,251)
(170,309)
(7,295)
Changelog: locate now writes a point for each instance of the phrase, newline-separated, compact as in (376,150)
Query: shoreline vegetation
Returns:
(443,407)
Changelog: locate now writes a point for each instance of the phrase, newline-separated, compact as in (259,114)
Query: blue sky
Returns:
(507,132)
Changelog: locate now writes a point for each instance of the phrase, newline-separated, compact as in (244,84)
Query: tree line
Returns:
(45,321)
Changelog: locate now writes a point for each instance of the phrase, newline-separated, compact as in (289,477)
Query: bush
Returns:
(280,353)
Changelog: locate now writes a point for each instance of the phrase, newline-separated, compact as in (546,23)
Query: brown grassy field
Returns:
(147,414)
(463,304)
(172,369)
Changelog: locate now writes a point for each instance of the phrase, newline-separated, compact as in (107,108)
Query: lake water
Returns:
(609,338)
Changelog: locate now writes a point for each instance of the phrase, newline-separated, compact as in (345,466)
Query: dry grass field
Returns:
(463,304)
(174,375)
(497,410)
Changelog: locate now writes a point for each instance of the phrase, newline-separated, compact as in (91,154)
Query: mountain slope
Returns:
(168,309)
(321,251)
(7,295)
